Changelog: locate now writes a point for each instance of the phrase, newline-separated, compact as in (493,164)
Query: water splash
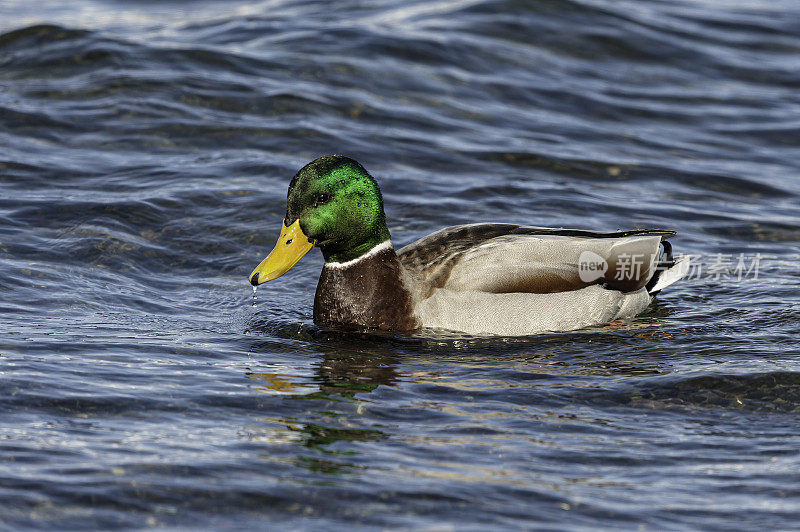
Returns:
(255,289)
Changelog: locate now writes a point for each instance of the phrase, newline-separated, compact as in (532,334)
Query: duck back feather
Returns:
(508,258)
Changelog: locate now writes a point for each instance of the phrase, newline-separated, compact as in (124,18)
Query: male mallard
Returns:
(488,278)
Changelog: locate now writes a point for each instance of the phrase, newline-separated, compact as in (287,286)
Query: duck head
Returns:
(333,203)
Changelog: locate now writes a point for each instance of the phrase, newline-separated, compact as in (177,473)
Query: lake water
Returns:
(145,152)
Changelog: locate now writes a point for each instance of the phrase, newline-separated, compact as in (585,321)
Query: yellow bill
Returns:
(291,246)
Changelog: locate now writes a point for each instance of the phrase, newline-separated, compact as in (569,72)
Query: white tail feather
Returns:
(675,273)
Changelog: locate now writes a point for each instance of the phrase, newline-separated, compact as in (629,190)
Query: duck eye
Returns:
(322,199)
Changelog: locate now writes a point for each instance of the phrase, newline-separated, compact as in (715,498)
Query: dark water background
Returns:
(145,150)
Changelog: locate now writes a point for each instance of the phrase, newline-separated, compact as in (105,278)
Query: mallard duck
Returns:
(485,278)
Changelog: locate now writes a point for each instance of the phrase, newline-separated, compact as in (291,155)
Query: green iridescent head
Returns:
(339,206)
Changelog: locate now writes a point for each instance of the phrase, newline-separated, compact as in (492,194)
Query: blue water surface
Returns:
(145,151)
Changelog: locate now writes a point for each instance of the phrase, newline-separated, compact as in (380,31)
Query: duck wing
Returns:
(509,258)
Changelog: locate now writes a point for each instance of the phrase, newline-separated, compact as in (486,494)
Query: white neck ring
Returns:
(386,244)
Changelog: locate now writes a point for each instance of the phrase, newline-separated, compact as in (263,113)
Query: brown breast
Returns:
(367,294)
